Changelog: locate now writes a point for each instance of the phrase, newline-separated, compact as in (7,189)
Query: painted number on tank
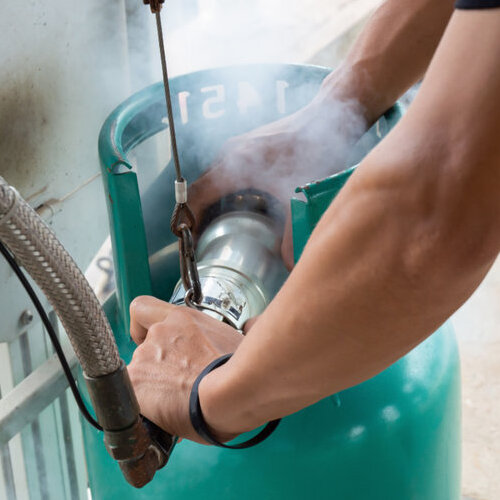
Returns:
(183,98)
(281,87)
(212,105)
(248,97)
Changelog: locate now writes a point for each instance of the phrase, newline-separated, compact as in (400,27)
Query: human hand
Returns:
(175,344)
(276,158)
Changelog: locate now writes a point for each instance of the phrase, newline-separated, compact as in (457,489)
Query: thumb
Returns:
(145,311)
(209,188)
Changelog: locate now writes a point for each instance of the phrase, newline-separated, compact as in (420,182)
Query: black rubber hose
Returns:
(52,335)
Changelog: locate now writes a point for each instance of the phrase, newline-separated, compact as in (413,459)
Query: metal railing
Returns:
(41,448)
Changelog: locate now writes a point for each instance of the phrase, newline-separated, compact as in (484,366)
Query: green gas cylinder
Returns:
(394,437)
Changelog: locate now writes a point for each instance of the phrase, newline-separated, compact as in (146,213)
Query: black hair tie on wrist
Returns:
(201,427)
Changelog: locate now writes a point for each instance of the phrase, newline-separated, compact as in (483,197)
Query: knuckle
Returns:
(178,316)
(138,303)
(157,330)
(131,368)
(137,357)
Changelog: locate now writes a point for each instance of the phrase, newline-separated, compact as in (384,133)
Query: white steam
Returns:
(216,33)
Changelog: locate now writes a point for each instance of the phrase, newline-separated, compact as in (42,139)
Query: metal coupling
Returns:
(138,457)
(139,447)
(9,212)
(239,267)
(181,191)
(113,399)
(154,4)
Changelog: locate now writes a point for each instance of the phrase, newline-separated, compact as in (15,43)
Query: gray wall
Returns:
(64,67)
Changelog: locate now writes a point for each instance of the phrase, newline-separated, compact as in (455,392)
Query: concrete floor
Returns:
(477,325)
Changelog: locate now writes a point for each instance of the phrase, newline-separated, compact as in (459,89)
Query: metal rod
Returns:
(168,99)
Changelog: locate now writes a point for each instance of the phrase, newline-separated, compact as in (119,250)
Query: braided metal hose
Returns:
(38,250)
(139,447)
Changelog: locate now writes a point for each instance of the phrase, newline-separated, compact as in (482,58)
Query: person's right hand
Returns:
(276,158)
(174,345)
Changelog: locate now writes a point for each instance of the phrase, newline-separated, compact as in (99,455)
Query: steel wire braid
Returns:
(38,250)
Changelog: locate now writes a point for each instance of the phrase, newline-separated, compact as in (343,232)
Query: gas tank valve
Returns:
(239,258)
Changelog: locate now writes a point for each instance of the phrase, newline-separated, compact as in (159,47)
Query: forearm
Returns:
(362,295)
(391,54)
(405,243)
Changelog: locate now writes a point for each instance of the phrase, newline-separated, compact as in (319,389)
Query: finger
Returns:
(145,311)
(213,185)
(209,188)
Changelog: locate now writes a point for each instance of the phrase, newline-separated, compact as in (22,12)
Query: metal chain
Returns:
(183,220)
(189,269)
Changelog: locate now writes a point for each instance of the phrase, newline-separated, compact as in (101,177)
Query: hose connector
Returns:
(155,5)
(5,215)
(139,447)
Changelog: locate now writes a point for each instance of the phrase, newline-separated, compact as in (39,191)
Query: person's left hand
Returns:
(175,344)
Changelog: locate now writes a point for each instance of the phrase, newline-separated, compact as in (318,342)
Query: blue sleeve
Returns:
(477,4)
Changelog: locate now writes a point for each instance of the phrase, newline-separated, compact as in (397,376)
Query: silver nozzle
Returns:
(240,266)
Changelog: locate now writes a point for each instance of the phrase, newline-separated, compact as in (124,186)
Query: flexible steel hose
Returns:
(38,250)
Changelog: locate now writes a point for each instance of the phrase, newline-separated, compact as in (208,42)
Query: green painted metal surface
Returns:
(320,193)
(394,437)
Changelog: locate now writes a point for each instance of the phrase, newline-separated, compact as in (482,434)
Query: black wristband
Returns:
(201,427)
(477,4)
